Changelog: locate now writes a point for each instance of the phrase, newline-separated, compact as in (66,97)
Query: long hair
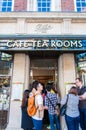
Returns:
(25,98)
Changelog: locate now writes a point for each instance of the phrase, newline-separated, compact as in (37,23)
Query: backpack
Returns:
(31,108)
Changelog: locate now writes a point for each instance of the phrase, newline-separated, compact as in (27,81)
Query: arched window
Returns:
(6,5)
(81,5)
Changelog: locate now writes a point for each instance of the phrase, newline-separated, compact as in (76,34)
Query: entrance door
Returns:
(43,70)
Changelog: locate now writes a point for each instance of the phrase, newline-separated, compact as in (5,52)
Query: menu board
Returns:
(17,91)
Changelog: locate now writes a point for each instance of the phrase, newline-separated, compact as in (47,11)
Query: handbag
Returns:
(64,108)
(57,109)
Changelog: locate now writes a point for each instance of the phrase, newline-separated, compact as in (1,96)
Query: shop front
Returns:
(39,58)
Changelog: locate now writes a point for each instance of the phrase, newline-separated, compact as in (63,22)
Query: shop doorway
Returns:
(43,70)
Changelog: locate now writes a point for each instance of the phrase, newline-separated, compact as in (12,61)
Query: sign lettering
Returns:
(49,44)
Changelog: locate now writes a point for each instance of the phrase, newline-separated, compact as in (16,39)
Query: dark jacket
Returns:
(26,120)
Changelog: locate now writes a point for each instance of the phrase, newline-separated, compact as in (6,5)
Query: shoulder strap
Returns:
(67,98)
(50,101)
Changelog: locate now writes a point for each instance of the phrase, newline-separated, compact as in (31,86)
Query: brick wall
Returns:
(67,5)
(20,5)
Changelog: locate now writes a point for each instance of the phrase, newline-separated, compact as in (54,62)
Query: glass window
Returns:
(44,5)
(80,5)
(6,5)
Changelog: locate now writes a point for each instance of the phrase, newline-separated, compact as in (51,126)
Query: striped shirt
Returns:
(53,99)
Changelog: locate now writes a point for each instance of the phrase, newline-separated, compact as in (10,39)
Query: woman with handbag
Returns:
(72,110)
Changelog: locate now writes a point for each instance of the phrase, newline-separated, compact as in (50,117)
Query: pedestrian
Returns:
(72,112)
(82,102)
(26,120)
(51,102)
(38,117)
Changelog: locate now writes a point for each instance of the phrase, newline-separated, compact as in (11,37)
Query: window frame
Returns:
(6,7)
(43,8)
(75,4)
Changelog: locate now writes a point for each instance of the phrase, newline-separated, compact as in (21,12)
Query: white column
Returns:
(21,26)
(55,5)
(66,72)
(35,5)
(66,26)
(32,5)
(27,70)
(20,77)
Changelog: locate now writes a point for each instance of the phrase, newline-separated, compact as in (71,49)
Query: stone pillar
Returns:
(66,78)
(20,82)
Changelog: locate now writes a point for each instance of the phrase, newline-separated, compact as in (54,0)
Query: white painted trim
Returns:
(55,5)
(75,7)
(32,5)
(12,5)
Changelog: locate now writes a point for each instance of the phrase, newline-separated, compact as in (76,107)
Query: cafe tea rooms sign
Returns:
(42,44)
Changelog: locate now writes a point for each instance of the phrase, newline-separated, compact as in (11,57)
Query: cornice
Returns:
(71,15)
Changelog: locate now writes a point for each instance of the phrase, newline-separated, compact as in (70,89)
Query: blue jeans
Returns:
(37,124)
(83,118)
(72,122)
(54,119)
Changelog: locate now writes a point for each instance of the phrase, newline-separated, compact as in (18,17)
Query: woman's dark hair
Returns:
(48,87)
(35,84)
(73,90)
(25,98)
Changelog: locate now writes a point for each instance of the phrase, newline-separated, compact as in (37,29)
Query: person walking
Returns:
(50,103)
(82,102)
(26,120)
(72,112)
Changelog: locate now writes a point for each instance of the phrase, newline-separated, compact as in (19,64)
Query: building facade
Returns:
(43,38)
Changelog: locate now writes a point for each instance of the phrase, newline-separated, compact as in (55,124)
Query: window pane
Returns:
(3,9)
(78,4)
(43,9)
(4,4)
(8,9)
(43,4)
(79,9)
(10,4)
(39,9)
(48,9)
